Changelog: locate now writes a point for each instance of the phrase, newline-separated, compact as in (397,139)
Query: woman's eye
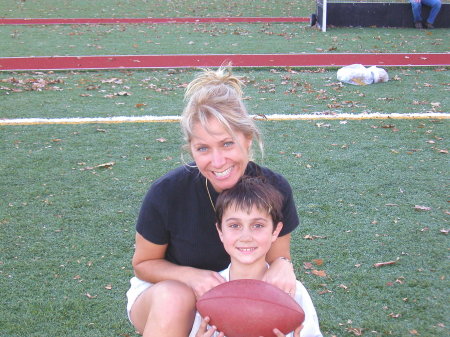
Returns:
(228,144)
(202,149)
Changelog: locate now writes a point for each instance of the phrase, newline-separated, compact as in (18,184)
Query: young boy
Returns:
(248,221)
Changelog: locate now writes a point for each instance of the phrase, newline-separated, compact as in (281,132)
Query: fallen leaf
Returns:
(394,315)
(161,140)
(422,208)
(91,296)
(108,287)
(122,93)
(313,237)
(355,331)
(105,165)
(444,231)
(320,273)
(307,265)
(318,262)
(413,332)
(382,264)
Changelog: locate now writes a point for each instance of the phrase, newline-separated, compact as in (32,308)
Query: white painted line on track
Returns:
(171,119)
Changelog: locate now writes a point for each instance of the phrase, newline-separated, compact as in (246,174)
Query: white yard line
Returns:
(170,119)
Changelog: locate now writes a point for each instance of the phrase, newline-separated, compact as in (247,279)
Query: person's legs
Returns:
(435,8)
(416,10)
(166,309)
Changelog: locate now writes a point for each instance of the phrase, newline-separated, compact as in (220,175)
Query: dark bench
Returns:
(378,14)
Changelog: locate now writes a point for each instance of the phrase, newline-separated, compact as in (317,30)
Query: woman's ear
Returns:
(219,231)
(277,231)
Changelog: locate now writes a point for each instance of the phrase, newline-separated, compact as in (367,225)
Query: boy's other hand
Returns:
(203,330)
(278,333)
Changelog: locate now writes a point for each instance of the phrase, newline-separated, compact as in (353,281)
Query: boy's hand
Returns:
(203,330)
(278,333)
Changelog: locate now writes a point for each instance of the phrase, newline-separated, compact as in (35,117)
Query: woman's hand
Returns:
(278,333)
(281,274)
(203,330)
(203,280)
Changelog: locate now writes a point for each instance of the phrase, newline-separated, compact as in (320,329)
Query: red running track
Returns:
(215,60)
(76,21)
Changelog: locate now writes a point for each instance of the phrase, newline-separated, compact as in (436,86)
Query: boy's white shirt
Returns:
(310,325)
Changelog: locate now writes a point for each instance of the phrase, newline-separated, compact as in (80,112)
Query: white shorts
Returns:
(137,287)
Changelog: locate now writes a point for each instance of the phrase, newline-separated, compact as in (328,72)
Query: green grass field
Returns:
(367,191)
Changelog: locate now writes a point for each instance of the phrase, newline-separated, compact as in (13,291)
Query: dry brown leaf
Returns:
(161,140)
(382,264)
(313,237)
(320,273)
(355,331)
(90,296)
(318,262)
(105,165)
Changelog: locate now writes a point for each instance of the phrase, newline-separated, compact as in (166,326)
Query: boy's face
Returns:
(248,236)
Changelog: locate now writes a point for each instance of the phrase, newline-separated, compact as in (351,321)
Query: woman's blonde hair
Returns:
(217,94)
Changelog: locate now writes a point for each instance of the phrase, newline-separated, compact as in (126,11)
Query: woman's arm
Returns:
(281,272)
(150,265)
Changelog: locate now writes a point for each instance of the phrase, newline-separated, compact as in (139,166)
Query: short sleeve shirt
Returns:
(177,211)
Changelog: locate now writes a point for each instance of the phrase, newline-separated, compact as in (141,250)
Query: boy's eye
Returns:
(258,226)
(234,226)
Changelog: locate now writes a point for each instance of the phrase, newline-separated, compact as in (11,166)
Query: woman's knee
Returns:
(174,293)
(164,302)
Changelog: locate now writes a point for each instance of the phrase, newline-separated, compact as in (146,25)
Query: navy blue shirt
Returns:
(177,211)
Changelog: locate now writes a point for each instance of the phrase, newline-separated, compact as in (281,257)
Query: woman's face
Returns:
(221,158)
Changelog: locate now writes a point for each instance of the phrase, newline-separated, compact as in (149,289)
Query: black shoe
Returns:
(429,25)
(418,25)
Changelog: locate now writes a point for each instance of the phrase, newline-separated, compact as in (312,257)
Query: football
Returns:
(250,308)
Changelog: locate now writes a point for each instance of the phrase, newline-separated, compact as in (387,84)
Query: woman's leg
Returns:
(166,309)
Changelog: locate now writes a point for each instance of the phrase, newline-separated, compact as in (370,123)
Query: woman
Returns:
(178,252)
